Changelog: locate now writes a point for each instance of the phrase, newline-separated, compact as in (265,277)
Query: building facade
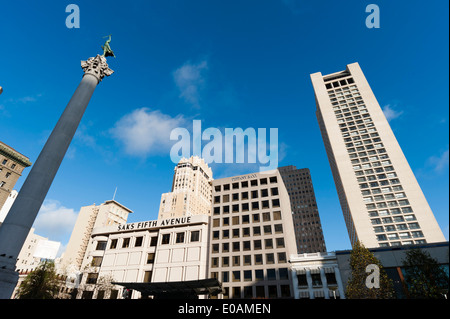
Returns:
(392,259)
(110,213)
(307,225)
(157,251)
(191,190)
(252,236)
(7,205)
(317,276)
(382,203)
(12,164)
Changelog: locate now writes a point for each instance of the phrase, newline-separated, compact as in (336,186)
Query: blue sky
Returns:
(229,64)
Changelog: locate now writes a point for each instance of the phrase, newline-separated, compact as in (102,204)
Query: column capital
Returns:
(97,67)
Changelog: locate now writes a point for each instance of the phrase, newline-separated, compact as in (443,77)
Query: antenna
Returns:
(115,193)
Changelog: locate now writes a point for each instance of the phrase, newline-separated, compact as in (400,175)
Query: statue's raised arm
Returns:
(106,48)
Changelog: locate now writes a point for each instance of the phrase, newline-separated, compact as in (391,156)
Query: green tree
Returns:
(424,277)
(359,285)
(41,283)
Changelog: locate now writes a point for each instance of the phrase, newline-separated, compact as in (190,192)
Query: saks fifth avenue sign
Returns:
(155,223)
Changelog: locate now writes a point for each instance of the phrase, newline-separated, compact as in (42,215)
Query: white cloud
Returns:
(439,163)
(190,79)
(144,131)
(390,113)
(55,221)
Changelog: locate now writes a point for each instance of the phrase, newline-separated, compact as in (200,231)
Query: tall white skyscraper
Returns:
(191,190)
(382,202)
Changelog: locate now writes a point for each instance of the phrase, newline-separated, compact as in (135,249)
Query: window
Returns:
(278,229)
(138,242)
(280,242)
(126,243)
(92,278)
(236,276)
(259,275)
(258,259)
(179,238)
(101,245)
(247,275)
(277,215)
(267,229)
(283,273)
(270,259)
(113,244)
(271,274)
(150,258)
(96,261)
(225,276)
(282,257)
(165,239)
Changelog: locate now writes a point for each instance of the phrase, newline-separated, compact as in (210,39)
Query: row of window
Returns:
(340,83)
(389,228)
(267,230)
(259,291)
(138,241)
(245,219)
(249,260)
(393,219)
(269,243)
(5,161)
(245,184)
(403,235)
(316,280)
(244,207)
(252,275)
(245,195)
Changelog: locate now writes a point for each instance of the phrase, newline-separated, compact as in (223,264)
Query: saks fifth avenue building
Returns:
(158,251)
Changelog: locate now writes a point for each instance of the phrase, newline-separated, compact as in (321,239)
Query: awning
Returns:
(209,286)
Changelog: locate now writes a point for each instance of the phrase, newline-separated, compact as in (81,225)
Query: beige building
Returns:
(7,205)
(110,213)
(252,236)
(191,190)
(12,164)
(157,251)
(382,202)
(316,276)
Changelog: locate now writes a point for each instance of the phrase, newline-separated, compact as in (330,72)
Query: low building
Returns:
(392,260)
(316,276)
(137,254)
